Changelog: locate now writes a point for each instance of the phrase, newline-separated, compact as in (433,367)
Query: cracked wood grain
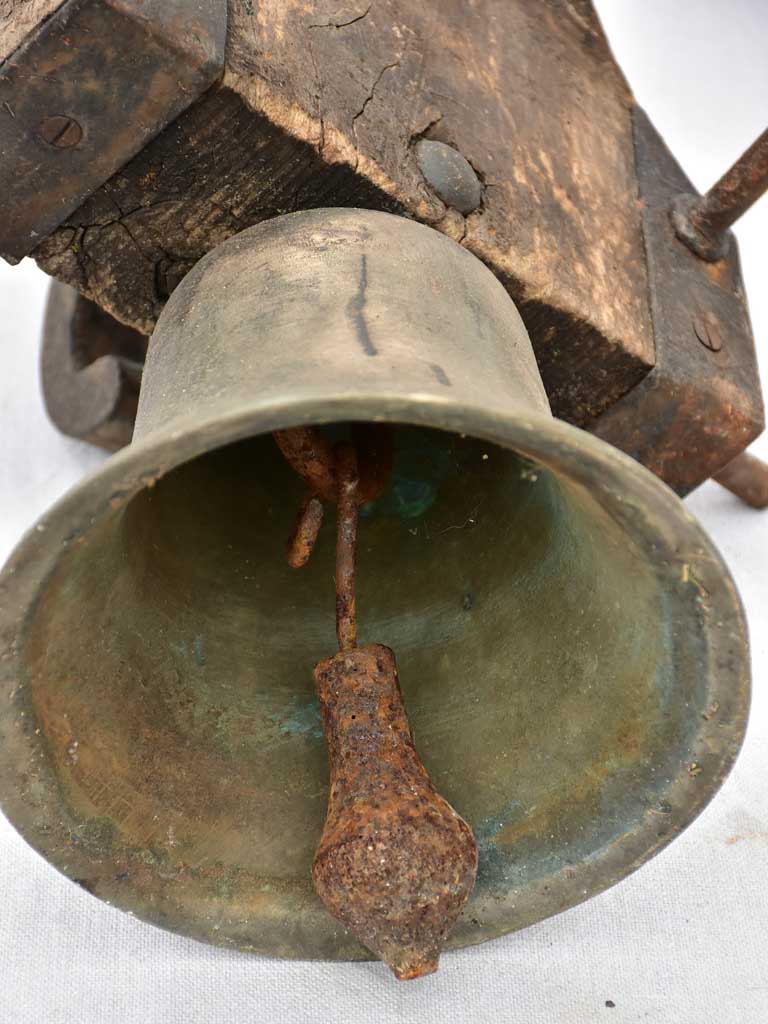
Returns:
(321,104)
(344,24)
(18,18)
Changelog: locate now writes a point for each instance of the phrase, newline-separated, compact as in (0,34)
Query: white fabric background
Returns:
(683,941)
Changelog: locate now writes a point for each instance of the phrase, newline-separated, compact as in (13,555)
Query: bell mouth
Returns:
(572,654)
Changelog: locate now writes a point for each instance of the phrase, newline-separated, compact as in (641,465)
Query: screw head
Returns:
(60,131)
(706,327)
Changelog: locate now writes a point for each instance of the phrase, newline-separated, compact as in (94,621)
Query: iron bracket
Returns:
(701,404)
(85,92)
(91,369)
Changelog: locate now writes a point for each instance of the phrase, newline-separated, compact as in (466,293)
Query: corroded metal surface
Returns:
(701,405)
(311,456)
(91,368)
(87,89)
(170,756)
(702,222)
(395,863)
(747,478)
(347,503)
(450,175)
(306,531)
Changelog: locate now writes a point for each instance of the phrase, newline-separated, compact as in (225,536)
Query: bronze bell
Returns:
(572,651)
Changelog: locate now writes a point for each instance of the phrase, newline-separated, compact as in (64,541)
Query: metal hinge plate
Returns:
(85,92)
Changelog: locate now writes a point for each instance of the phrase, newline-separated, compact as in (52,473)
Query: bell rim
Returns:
(557,445)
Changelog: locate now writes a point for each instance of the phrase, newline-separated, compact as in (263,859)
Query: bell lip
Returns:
(578,455)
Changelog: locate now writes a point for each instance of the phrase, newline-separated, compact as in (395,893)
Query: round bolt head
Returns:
(60,131)
(450,175)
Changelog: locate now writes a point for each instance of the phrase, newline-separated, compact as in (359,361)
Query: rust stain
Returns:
(346,545)
(306,531)
(742,837)
(396,863)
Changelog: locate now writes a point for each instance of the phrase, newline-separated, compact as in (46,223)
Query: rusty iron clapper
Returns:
(363,430)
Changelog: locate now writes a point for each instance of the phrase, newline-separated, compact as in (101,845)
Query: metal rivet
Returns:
(706,327)
(450,175)
(60,131)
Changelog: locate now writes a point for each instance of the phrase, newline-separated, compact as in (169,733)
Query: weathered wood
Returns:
(130,244)
(701,405)
(322,104)
(18,18)
(85,92)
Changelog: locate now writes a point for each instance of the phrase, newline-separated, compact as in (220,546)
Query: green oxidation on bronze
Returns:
(571,647)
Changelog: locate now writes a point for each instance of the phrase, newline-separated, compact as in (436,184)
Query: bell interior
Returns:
(170,662)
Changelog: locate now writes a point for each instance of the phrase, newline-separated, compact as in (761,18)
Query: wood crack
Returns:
(366,101)
(344,24)
(318,97)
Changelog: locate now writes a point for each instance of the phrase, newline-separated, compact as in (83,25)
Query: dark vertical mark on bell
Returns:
(440,375)
(356,311)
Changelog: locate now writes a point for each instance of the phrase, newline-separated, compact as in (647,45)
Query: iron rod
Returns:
(346,544)
(702,221)
(747,478)
(305,532)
